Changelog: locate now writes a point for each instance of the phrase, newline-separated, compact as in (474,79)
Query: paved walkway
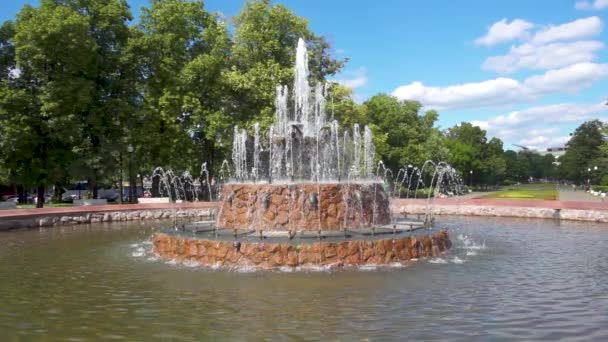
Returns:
(581,202)
(14,213)
(583,205)
(567,194)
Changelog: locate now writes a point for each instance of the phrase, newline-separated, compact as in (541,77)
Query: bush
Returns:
(601,188)
(423,193)
(508,182)
(604,180)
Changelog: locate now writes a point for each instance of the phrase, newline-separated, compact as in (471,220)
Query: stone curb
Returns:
(589,215)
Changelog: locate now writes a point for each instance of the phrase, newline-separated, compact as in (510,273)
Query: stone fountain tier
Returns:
(269,255)
(303,206)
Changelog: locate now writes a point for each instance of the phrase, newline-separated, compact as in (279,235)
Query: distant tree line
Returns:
(88,94)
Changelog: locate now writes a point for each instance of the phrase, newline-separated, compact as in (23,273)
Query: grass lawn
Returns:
(527,192)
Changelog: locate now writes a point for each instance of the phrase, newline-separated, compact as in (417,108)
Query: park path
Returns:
(579,200)
(14,213)
(567,194)
(463,201)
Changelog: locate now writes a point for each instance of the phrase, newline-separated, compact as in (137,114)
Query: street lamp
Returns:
(132,179)
(471,178)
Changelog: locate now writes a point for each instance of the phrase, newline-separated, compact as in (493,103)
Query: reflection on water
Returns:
(503,279)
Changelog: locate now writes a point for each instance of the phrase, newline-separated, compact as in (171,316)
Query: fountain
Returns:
(303,195)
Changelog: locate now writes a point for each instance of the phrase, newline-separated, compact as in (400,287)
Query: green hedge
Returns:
(602,188)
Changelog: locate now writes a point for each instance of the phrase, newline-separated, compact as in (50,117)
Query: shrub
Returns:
(601,188)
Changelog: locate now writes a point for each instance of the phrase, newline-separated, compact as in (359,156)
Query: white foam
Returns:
(438,261)
(314,268)
(471,253)
(470,244)
(370,267)
(457,260)
(137,254)
(191,263)
(245,269)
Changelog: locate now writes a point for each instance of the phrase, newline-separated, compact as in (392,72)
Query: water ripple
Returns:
(502,280)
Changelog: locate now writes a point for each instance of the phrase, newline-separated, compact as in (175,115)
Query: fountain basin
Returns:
(378,250)
(303,206)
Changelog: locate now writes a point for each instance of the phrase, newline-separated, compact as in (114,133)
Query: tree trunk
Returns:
(132,187)
(40,201)
(58,192)
(132,183)
(120,185)
(21,193)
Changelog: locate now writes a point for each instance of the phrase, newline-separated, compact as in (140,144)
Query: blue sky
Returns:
(529,72)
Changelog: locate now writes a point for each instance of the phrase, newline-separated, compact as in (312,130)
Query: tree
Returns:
(494,164)
(466,144)
(342,107)
(470,150)
(185,50)
(405,136)
(584,150)
(7,50)
(105,120)
(263,56)
(39,108)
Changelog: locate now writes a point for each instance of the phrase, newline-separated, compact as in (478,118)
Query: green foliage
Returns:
(470,151)
(403,135)
(584,152)
(80,84)
(601,188)
(263,56)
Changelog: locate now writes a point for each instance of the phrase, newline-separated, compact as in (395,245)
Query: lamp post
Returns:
(132,179)
(471,178)
(592,173)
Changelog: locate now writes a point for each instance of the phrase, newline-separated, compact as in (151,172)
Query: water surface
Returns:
(503,279)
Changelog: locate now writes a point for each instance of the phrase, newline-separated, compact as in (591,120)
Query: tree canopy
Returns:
(88,94)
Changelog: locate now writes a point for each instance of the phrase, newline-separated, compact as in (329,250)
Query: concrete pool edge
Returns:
(46,217)
(569,214)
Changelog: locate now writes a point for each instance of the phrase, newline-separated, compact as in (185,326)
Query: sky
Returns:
(528,72)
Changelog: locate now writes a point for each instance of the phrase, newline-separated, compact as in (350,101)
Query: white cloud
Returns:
(569,79)
(503,31)
(577,29)
(539,127)
(503,90)
(553,46)
(591,5)
(354,79)
(550,56)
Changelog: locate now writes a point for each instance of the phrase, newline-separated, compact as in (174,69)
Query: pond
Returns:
(502,279)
